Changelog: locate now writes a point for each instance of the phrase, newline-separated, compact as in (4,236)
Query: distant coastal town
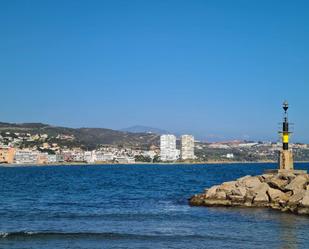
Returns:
(42,148)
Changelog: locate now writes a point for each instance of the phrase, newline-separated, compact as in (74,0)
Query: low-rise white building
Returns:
(89,156)
(229,155)
(149,153)
(101,156)
(52,158)
(78,156)
(60,158)
(125,159)
(26,157)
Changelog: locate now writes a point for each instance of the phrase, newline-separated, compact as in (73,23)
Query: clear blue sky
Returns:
(211,68)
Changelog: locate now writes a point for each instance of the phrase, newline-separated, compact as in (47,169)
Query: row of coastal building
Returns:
(167,152)
(10,155)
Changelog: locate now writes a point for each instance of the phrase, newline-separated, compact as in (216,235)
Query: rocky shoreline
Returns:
(288,192)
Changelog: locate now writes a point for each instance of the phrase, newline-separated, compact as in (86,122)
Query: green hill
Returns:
(82,137)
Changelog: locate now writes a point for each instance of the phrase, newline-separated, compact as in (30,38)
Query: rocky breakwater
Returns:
(282,191)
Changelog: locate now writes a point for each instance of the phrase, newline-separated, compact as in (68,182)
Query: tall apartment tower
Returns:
(168,150)
(187,147)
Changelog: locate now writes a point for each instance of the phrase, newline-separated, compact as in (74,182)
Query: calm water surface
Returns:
(141,206)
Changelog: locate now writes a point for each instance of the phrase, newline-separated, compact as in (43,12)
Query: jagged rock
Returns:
(220,195)
(243,178)
(196,200)
(211,193)
(236,199)
(298,182)
(287,176)
(250,182)
(276,182)
(260,188)
(249,197)
(261,193)
(275,195)
(265,177)
(302,210)
(227,187)
(283,191)
(275,205)
(296,197)
(240,191)
(211,202)
(305,201)
(248,203)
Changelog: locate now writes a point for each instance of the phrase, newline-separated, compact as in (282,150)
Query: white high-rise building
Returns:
(168,150)
(187,147)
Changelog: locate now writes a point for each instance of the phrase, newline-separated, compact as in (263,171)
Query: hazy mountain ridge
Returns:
(144,129)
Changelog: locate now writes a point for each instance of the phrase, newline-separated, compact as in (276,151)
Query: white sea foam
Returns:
(3,234)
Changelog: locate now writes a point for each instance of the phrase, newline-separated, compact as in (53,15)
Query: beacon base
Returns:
(286,160)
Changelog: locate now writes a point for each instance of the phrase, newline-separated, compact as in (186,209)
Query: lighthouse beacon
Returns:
(285,158)
(285,154)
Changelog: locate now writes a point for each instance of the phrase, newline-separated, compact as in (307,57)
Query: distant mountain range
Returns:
(86,137)
(145,129)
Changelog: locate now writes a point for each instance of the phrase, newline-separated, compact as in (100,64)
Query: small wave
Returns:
(110,235)
(3,235)
(12,234)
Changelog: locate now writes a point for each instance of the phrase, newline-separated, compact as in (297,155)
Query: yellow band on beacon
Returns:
(285,138)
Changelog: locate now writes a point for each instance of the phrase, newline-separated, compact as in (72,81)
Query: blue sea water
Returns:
(135,206)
